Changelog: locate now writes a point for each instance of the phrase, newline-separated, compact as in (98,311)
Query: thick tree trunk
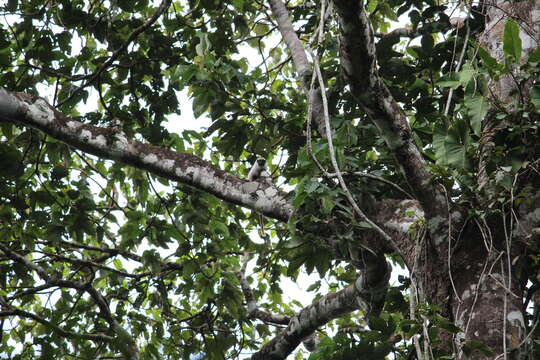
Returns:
(481,290)
(487,301)
(482,296)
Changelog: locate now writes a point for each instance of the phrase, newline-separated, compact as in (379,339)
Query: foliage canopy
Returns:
(99,258)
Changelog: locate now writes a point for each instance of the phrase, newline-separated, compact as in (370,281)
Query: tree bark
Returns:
(186,168)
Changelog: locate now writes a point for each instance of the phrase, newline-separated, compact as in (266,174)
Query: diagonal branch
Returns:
(359,65)
(53,327)
(186,168)
(252,306)
(301,62)
(56,281)
(367,294)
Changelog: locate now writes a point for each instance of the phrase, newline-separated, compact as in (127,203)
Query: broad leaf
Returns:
(451,147)
(534,57)
(477,108)
(534,94)
(512,41)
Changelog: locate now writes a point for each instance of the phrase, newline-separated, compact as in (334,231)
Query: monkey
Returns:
(258,171)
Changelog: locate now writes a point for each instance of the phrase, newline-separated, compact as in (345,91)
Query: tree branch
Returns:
(55,281)
(301,62)
(186,168)
(367,293)
(127,345)
(53,327)
(252,306)
(359,65)
(397,33)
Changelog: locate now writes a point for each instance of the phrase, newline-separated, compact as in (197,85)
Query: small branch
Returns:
(165,265)
(55,281)
(373,177)
(401,32)
(94,264)
(252,306)
(458,66)
(53,327)
(23,260)
(367,293)
(127,345)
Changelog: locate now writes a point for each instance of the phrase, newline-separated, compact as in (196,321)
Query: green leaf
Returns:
(535,97)
(446,324)
(477,108)
(461,78)
(427,43)
(534,57)
(327,204)
(451,147)
(124,342)
(10,162)
(466,74)
(489,61)
(200,105)
(454,84)
(59,172)
(512,41)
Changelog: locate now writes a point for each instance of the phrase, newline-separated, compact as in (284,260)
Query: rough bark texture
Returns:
(367,293)
(106,143)
(488,302)
(487,263)
(359,67)
(474,278)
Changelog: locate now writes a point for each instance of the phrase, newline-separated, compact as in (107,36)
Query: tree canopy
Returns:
(397,133)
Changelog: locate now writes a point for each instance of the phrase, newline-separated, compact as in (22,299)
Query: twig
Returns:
(458,66)
(53,327)
(331,150)
(373,177)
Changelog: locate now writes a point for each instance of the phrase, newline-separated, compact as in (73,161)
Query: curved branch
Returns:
(367,293)
(127,345)
(252,306)
(359,65)
(60,282)
(185,168)
(53,327)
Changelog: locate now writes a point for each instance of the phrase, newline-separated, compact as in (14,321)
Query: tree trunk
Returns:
(487,301)
(484,293)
